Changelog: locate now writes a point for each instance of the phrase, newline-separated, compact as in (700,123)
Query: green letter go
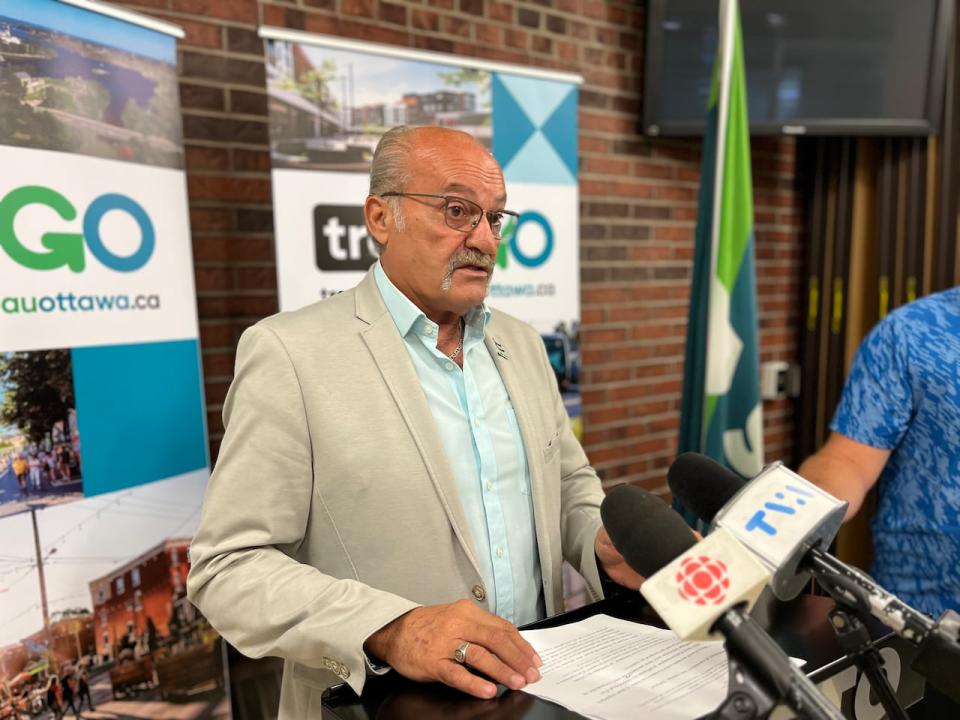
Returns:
(65,248)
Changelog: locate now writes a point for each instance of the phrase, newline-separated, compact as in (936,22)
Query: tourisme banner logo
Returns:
(63,248)
(90,249)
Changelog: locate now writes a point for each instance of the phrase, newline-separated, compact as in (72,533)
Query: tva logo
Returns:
(782,506)
(67,248)
(341,240)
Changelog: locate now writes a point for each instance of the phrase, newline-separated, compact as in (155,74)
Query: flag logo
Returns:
(703,580)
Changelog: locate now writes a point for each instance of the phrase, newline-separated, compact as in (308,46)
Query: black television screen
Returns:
(826,67)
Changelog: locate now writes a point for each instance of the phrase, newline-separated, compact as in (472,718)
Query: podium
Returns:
(801,627)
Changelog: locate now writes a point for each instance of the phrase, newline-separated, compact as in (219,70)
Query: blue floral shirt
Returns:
(903,394)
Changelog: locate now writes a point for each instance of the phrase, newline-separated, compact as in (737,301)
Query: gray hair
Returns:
(390,168)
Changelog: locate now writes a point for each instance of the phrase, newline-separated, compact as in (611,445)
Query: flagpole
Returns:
(727,19)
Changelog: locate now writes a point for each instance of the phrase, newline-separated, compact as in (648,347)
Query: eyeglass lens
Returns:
(459,213)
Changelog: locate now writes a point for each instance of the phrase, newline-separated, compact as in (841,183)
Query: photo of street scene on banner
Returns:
(328,108)
(40,458)
(59,90)
(95,614)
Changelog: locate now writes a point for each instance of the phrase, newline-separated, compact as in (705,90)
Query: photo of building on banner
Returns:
(103,444)
(330,101)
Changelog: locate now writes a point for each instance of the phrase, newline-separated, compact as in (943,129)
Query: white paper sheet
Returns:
(614,669)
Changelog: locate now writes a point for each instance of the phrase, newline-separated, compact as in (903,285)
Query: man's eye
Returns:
(496,220)
(456,210)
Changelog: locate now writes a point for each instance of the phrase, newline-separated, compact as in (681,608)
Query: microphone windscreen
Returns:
(647,532)
(702,484)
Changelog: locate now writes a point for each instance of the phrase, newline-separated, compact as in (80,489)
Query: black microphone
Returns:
(699,590)
(721,497)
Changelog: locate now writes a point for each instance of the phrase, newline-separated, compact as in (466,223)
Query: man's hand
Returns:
(613,563)
(420,645)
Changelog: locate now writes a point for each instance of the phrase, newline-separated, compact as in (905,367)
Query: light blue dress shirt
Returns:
(480,434)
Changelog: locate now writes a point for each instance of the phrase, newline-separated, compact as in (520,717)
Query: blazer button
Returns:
(479,593)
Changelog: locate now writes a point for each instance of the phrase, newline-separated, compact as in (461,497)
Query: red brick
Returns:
(426,20)
(239,10)
(500,11)
(207,158)
(359,8)
(219,187)
(451,25)
(487,34)
(200,34)
(396,14)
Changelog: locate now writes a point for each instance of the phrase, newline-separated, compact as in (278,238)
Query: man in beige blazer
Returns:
(333,533)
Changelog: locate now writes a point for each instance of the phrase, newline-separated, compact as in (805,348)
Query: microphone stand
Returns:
(761,676)
(746,698)
(846,621)
(855,641)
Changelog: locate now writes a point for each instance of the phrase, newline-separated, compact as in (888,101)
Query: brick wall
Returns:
(638,197)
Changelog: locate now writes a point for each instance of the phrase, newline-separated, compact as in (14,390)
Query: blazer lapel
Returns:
(393,360)
(514,383)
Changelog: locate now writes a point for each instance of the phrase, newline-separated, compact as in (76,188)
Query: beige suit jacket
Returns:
(332,509)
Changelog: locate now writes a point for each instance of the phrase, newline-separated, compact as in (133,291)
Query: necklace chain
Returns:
(459,348)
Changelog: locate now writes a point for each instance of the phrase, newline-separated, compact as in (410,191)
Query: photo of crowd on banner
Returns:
(40,462)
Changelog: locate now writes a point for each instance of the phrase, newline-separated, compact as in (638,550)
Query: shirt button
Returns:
(499,552)
(476,423)
(449,366)
(489,486)
(428,330)
(479,593)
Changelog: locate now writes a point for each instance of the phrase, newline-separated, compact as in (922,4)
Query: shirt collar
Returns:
(408,316)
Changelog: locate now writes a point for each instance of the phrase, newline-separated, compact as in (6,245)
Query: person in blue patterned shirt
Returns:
(898,426)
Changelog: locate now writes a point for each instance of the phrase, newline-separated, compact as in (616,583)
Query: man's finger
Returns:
(479,658)
(460,678)
(511,649)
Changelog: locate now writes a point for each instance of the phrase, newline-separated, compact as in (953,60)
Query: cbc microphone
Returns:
(701,590)
(786,520)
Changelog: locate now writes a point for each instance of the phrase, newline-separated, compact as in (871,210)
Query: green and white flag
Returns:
(721,413)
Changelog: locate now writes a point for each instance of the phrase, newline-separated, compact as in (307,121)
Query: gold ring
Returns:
(460,654)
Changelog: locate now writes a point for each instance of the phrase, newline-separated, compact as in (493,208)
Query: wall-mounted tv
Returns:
(818,67)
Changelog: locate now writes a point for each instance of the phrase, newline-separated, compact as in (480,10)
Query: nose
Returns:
(482,238)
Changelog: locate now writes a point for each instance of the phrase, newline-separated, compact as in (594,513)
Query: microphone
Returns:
(785,520)
(701,590)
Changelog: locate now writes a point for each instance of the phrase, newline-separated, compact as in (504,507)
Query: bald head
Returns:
(401,147)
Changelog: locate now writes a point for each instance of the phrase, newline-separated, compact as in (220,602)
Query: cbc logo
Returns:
(342,242)
(703,580)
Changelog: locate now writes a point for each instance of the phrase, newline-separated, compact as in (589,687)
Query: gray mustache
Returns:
(472,257)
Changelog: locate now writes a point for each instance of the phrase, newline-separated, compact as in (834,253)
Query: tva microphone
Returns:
(783,518)
(778,515)
(701,590)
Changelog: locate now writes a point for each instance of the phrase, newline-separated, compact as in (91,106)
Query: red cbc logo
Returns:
(703,580)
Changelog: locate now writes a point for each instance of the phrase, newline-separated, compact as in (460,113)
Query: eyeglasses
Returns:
(462,214)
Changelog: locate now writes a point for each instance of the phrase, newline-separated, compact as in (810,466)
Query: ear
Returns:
(379,218)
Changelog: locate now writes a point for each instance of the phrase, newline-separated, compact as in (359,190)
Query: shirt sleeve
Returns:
(877,403)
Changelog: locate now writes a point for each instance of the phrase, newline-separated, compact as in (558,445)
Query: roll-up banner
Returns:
(330,102)
(103,443)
